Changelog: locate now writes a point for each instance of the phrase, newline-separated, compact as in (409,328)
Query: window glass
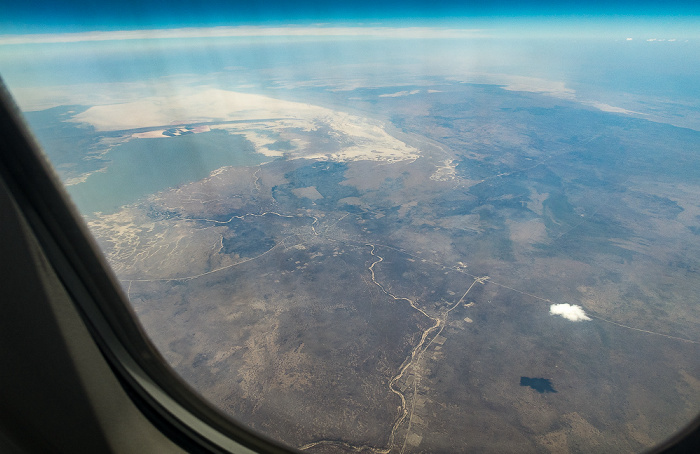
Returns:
(436,232)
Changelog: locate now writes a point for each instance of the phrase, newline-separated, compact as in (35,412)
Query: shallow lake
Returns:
(141,167)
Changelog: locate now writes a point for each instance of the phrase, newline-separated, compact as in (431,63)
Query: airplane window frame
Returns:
(166,400)
(163,397)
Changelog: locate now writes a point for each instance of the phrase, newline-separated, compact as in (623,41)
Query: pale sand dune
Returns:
(366,139)
(199,106)
(260,141)
(157,134)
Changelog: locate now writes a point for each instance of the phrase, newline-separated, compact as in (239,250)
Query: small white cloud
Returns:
(629,39)
(651,39)
(569,312)
(400,93)
(671,40)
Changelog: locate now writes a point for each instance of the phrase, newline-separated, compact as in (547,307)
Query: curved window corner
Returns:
(84,377)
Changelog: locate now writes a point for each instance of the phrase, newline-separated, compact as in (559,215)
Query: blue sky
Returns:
(34,16)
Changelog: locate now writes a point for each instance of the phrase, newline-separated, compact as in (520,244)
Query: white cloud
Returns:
(244,31)
(569,312)
(629,39)
(400,93)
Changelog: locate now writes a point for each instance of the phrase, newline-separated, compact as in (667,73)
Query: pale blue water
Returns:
(145,166)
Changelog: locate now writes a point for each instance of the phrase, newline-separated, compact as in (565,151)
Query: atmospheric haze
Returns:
(352,237)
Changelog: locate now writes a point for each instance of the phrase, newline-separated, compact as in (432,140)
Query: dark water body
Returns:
(142,167)
(541,385)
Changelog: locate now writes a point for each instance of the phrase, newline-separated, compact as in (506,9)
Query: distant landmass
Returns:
(367,265)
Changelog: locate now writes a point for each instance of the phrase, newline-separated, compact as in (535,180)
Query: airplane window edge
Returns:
(186,418)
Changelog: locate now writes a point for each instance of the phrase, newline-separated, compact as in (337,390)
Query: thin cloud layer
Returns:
(399,93)
(569,312)
(243,31)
